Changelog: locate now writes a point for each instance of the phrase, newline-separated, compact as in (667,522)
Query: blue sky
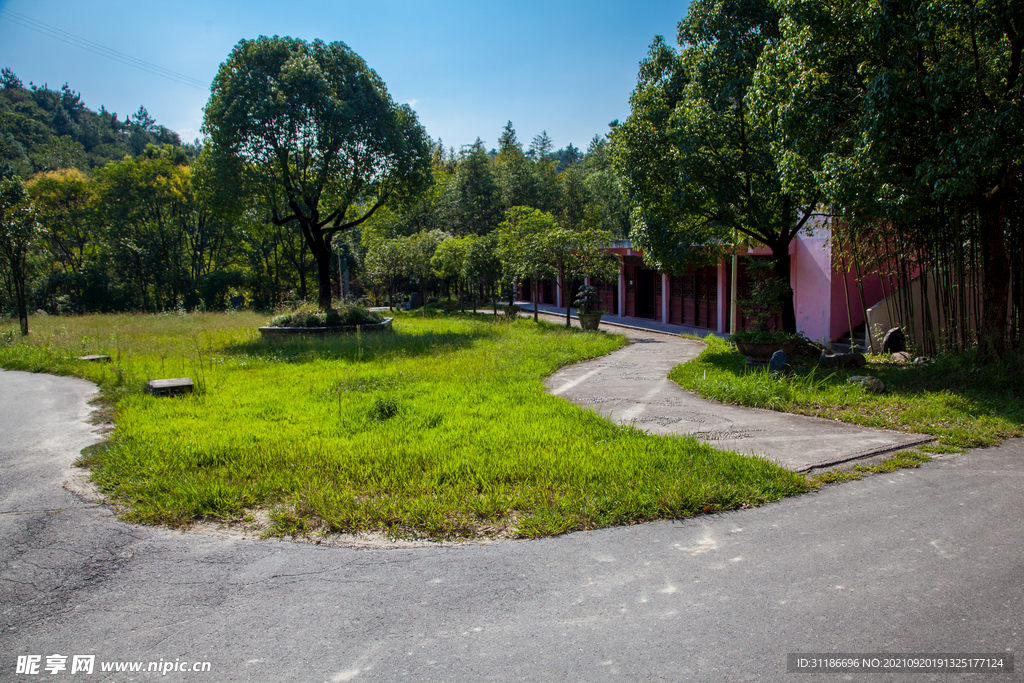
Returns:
(465,67)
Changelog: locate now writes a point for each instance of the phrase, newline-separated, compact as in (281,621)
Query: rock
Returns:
(778,362)
(868,382)
(894,341)
(842,360)
(900,357)
(921,360)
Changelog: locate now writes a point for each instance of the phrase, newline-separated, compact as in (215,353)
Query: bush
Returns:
(309,317)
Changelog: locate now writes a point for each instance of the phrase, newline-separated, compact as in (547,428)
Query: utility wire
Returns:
(101,50)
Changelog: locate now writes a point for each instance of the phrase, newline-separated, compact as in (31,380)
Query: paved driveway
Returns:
(924,560)
(631,386)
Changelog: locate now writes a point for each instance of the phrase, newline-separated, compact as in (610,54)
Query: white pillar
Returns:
(622,289)
(664,298)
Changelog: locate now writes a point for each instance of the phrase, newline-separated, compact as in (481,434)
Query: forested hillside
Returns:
(45,130)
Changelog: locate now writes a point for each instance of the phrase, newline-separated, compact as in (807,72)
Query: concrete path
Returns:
(916,561)
(617,321)
(631,386)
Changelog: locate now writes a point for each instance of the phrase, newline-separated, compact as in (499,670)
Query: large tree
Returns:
(696,162)
(514,171)
(943,125)
(473,201)
(525,248)
(311,129)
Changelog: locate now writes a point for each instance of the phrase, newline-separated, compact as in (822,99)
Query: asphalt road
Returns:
(918,561)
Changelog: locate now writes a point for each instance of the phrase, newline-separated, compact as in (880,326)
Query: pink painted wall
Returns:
(810,274)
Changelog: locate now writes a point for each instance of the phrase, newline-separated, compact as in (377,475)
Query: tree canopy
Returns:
(696,162)
(909,114)
(311,130)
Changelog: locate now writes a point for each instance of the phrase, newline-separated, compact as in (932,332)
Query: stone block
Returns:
(95,358)
(170,387)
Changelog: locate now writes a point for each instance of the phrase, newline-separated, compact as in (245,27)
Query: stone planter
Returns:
(590,321)
(276,334)
(758,354)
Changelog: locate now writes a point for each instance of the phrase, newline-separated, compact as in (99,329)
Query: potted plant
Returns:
(758,344)
(587,302)
(309,322)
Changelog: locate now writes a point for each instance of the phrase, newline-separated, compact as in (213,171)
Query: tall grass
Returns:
(954,398)
(442,429)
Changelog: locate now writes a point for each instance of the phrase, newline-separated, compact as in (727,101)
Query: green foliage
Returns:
(440,430)
(449,259)
(385,262)
(524,243)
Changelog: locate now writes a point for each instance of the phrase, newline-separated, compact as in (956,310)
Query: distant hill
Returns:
(45,130)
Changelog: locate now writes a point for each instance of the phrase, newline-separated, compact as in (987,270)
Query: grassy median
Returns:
(961,402)
(442,429)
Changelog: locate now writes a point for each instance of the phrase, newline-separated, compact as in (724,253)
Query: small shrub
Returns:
(383,409)
(588,300)
(309,317)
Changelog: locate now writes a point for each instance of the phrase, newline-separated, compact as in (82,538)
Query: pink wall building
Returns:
(700,298)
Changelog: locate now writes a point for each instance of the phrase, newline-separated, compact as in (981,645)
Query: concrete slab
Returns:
(170,387)
(95,358)
(631,386)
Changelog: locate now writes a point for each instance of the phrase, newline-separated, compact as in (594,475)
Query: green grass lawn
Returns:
(442,429)
(962,403)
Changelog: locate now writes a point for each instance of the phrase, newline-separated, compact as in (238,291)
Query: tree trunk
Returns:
(19,287)
(302,271)
(995,276)
(780,253)
(535,299)
(323,272)
(564,284)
